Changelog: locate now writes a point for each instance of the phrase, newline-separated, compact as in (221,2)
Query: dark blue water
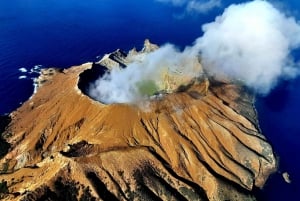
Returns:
(62,33)
(279,119)
(69,32)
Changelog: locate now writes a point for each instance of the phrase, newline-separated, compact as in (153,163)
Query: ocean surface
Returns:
(61,33)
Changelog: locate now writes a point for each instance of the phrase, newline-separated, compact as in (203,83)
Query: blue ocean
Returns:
(37,34)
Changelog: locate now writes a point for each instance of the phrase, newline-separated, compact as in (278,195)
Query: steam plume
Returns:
(122,84)
(251,42)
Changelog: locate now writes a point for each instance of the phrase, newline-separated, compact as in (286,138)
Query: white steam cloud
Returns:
(251,42)
(122,84)
(200,6)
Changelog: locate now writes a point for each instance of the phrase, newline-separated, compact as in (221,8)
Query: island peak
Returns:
(198,143)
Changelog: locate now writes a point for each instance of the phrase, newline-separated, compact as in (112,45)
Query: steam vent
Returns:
(198,140)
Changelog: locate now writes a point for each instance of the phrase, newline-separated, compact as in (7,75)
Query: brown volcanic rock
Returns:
(198,144)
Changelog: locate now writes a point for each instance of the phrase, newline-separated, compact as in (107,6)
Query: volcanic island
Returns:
(198,139)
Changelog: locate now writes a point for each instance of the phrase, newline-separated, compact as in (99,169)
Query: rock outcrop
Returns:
(199,143)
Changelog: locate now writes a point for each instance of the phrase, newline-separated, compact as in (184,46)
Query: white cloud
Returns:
(251,42)
(202,6)
(199,6)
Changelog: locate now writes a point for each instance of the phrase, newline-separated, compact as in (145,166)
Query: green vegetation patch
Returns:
(147,87)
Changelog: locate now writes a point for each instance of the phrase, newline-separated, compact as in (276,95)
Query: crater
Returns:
(89,76)
(139,91)
(135,76)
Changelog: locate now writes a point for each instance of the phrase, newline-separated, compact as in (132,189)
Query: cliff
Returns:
(201,142)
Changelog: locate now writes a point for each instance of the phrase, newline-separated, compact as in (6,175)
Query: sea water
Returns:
(62,33)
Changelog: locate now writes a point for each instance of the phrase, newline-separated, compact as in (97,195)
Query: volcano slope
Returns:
(198,143)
